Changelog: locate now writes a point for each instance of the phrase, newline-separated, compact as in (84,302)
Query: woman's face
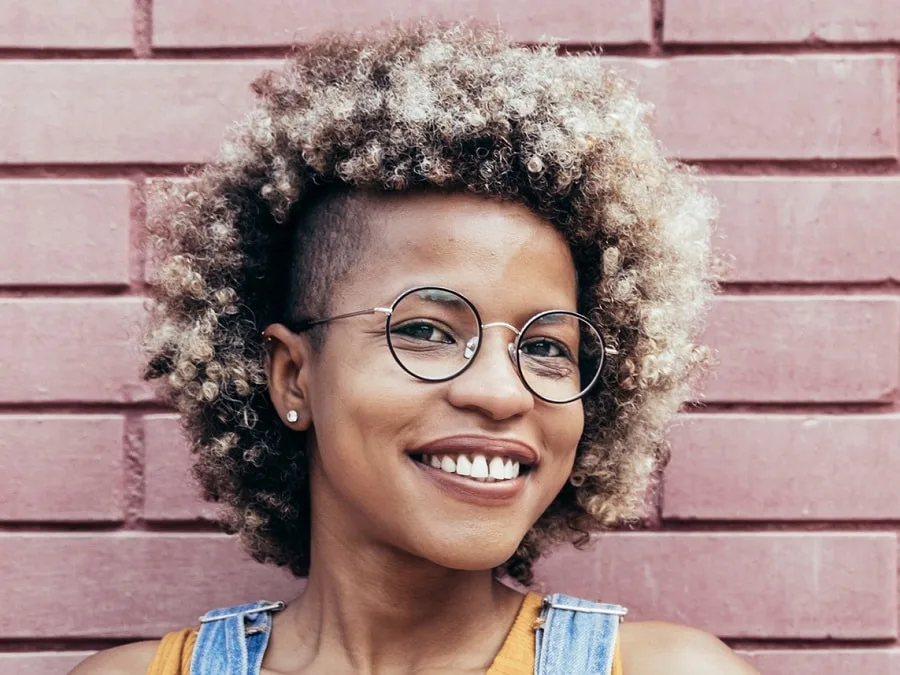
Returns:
(373,424)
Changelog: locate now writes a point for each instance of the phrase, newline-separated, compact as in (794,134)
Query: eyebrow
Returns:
(555,318)
(452,298)
(438,295)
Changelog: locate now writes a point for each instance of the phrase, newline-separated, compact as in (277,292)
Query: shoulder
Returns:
(130,659)
(650,647)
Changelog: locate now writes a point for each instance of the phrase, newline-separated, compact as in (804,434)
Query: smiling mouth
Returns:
(476,467)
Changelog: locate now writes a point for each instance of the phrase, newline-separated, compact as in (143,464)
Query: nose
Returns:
(491,384)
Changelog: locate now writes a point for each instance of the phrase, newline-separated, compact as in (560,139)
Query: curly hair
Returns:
(425,107)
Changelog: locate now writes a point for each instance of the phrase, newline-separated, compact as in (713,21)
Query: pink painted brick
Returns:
(772,107)
(170,112)
(736,21)
(170,491)
(775,467)
(810,229)
(71,350)
(66,232)
(98,112)
(804,349)
(232,23)
(61,467)
(756,585)
(825,661)
(41,663)
(136,584)
(66,23)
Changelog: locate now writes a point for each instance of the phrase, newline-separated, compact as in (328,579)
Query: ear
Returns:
(288,365)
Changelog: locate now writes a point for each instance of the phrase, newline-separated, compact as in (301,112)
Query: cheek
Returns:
(360,402)
(562,433)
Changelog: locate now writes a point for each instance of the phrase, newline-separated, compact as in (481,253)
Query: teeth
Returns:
(497,469)
(463,466)
(480,467)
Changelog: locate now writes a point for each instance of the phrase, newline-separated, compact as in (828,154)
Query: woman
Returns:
(427,315)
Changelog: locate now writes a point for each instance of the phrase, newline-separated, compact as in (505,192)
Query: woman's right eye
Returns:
(422,330)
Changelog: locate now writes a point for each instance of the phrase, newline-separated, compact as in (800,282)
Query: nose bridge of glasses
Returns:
(502,324)
(473,342)
(510,346)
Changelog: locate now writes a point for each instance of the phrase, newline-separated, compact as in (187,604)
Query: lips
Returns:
(497,474)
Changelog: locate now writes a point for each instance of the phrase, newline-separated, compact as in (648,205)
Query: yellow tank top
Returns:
(516,656)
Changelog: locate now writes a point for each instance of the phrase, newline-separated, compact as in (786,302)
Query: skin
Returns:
(401,572)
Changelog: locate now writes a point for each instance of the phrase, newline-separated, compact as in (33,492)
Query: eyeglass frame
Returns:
(512,347)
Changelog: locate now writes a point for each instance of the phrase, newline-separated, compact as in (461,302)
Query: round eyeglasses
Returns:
(435,333)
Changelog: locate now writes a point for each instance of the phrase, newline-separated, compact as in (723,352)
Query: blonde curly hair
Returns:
(426,107)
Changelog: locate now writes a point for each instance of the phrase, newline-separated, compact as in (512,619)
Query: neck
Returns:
(369,608)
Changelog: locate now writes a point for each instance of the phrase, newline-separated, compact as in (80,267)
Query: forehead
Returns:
(474,244)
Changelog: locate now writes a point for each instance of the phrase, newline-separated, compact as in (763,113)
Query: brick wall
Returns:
(779,515)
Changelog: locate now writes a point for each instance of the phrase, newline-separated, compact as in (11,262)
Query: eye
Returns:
(423,330)
(545,348)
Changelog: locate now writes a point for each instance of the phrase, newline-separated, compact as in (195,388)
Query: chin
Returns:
(472,554)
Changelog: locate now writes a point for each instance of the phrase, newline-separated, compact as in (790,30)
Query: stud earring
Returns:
(292,416)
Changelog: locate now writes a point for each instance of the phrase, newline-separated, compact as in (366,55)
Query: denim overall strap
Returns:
(576,636)
(232,640)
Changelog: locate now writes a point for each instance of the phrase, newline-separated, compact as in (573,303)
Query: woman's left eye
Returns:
(545,348)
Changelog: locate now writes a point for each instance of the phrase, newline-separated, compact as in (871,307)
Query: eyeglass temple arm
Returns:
(310,323)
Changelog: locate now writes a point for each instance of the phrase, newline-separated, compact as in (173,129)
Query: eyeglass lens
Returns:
(434,335)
